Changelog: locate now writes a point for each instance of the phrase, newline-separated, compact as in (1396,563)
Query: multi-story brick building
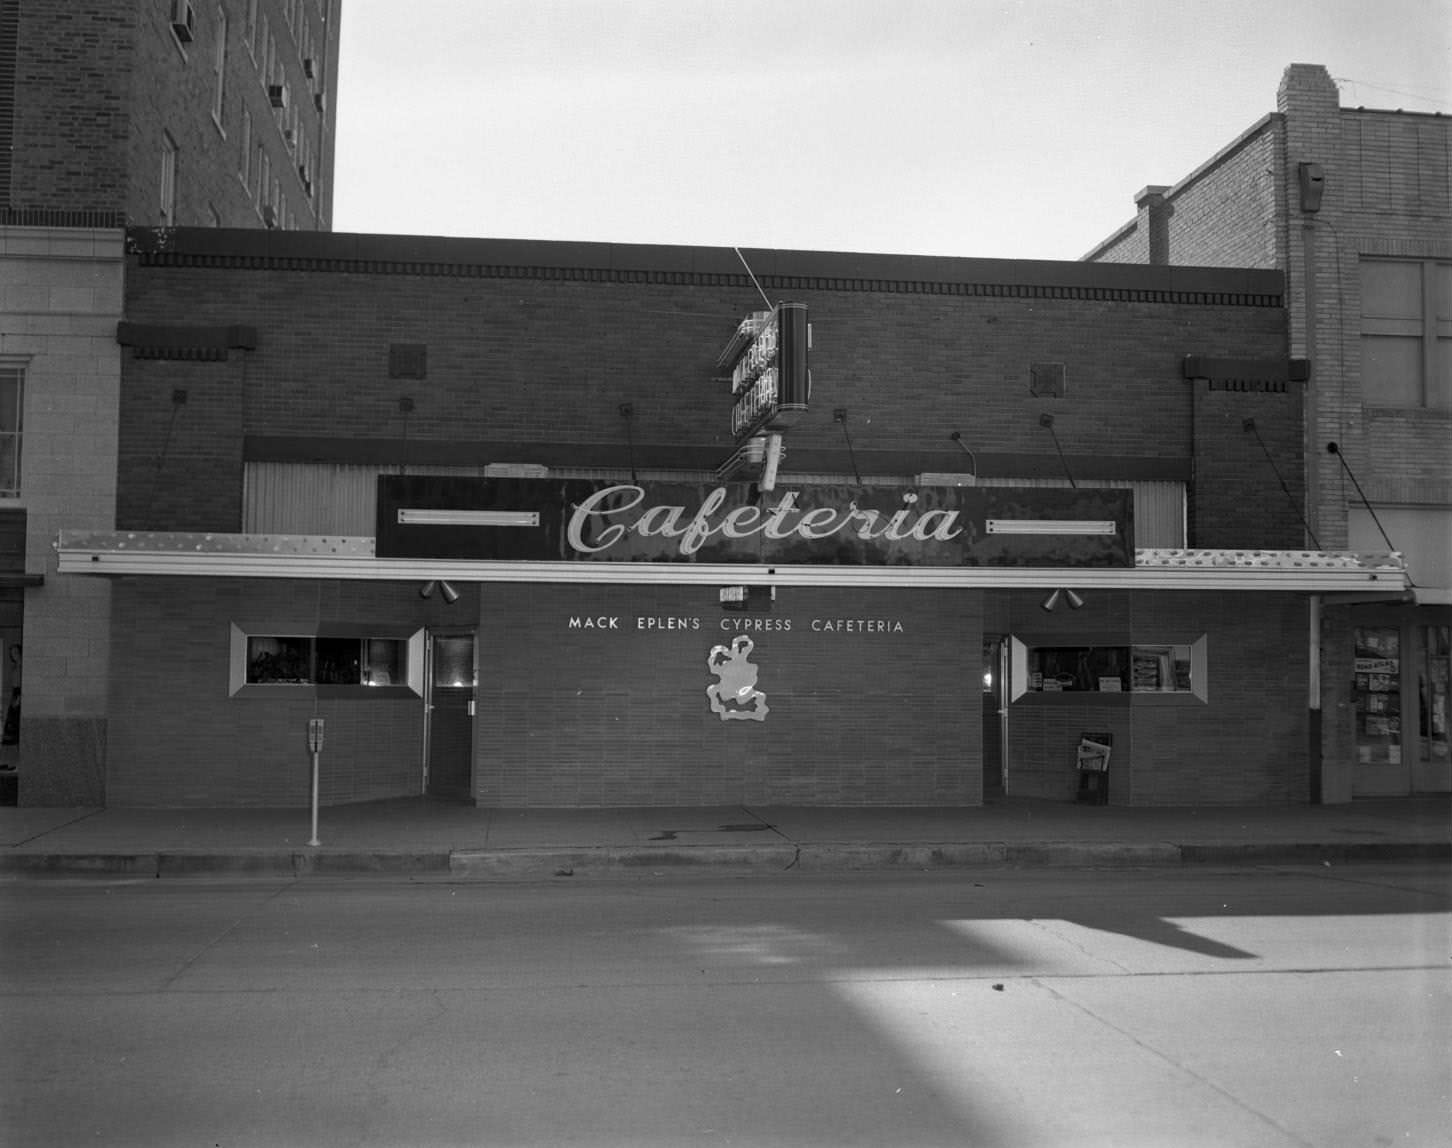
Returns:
(1354,206)
(195,113)
(113,113)
(1009,514)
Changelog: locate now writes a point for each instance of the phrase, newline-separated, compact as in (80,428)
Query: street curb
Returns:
(1301,853)
(516,863)
(527,863)
(98,864)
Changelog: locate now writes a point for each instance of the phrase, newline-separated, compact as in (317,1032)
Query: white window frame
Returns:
(244,169)
(11,484)
(1433,326)
(251,29)
(219,70)
(168,179)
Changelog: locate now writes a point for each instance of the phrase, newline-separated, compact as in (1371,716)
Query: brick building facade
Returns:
(198,113)
(274,385)
(1354,205)
(193,112)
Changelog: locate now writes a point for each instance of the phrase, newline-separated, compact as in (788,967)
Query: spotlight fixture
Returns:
(450,595)
(446,592)
(1051,603)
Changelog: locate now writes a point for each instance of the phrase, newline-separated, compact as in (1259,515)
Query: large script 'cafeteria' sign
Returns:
(554,520)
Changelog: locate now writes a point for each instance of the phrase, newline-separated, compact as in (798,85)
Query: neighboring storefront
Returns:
(510,520)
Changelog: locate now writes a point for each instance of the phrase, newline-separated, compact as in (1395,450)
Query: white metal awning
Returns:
(311,556)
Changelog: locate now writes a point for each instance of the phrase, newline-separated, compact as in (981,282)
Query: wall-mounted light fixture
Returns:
(1051,603)
(1046,421)
(627,412)
(405,408)
(446,592)
(839,416)
(957,437)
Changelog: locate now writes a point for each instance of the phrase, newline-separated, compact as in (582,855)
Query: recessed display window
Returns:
(1168,668)
(279,660)
(349,663)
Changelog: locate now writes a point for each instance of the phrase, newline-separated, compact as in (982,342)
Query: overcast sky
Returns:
(992,128)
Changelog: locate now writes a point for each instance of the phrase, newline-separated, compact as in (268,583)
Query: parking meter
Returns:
(315,747)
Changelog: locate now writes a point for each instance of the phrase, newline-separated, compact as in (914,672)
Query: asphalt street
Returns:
(1128,1007)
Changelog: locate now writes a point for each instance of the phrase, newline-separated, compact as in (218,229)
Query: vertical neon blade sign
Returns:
(771,378)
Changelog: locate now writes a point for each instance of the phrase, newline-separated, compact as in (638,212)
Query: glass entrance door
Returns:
(1432,768)
(1401,696)
(449,711)
(1382,769)
(995,715)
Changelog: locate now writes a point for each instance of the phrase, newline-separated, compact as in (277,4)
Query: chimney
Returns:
(1153,221)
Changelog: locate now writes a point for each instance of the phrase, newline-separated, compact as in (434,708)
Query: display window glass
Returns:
(1377,694)
(346,662)
(1161,669)
(1432,692)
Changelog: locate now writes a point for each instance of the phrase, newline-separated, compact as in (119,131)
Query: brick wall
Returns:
(181,445)
(1249,485)
(567,716)
(62,296)
(174,91)
(1246,745)
(1227,215)
(178,738)
(620,716)
(617,713)
(532,360)
(1223,214)
(100,83)
(530,356)
(73,68)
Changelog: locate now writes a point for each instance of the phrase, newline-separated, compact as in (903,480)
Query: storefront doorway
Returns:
(995,715)
(449,698)
(1401,700)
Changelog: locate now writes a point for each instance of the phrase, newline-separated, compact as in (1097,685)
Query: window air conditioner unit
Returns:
(310,67)
(183,20)
(277,95)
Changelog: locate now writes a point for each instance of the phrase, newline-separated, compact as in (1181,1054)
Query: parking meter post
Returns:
(315,744)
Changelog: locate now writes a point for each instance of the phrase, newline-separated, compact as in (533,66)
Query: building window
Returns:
(355,662)
(252,28)
(168,179)
(1406,333)
(12,407)
(219,69)
(244,158)
(1162,669)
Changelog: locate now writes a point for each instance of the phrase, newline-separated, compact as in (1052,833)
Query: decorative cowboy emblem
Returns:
(735,696)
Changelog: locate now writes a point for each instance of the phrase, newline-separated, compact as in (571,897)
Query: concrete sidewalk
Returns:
(420,836)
